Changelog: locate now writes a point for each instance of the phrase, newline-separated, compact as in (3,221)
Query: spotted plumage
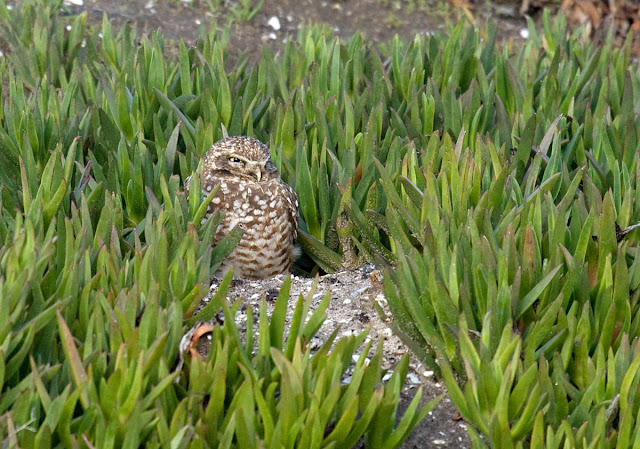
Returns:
(254,198)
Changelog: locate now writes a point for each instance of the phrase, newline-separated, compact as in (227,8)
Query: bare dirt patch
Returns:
(378,20)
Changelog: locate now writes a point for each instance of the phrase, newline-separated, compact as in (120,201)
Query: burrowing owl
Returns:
(254,198)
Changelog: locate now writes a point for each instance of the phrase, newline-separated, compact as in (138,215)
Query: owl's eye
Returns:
(234,159)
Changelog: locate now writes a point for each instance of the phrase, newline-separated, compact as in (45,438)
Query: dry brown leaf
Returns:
(461,4)
(202,330)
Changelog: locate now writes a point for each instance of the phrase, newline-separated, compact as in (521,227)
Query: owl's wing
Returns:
(291,205)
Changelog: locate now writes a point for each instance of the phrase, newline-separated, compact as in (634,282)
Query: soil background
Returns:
(353,292)
(378,20)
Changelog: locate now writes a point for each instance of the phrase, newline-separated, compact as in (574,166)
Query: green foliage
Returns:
(104,259)
(508,224)
(498,188)
(239,10)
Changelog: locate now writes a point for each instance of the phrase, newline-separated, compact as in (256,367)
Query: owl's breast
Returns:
(267,214)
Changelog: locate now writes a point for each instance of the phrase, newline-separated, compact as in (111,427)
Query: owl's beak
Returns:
(257,172)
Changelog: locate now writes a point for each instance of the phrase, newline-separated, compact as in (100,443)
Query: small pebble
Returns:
(413,378)
(359,291)
(439,442)
(274,23)
(506,11)
(524,33)
(380,299)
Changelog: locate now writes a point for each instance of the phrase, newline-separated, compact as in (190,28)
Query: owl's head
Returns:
(241,156)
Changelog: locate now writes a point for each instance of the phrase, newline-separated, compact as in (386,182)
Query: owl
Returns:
(254,198)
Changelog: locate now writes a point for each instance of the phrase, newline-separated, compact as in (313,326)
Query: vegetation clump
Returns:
(104,261)
(497,187)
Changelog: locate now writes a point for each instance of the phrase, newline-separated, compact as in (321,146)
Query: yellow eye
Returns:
(234,159)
